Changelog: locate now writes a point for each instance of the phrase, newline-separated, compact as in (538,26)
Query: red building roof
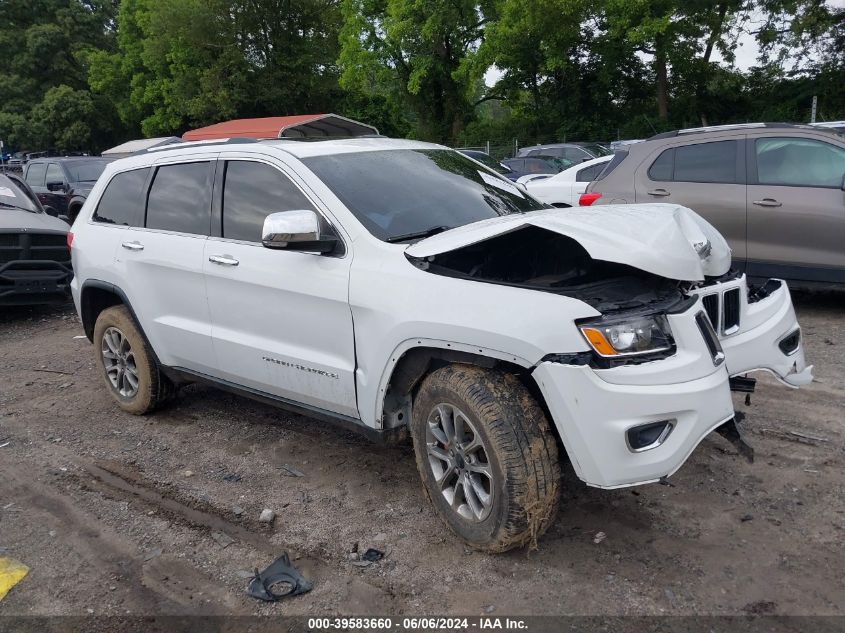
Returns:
(297,126)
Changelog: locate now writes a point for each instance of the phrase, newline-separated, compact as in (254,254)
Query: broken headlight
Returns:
(629,336)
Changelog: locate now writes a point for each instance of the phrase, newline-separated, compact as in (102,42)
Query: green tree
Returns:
(418,52)
(186,63)
(45,44)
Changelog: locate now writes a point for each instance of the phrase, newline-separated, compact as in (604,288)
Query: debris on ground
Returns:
(266,516)
(489,608)
(794,436)
(232,478)
(747,517)
(153,553)
(237,510)
(187,473)
(372,555)
(290,471)
(278,581)
(11,573)
(5,444)
(599,537)
(222,539)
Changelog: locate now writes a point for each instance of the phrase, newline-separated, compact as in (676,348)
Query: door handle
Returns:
(658,192)
(767,202)
(223,260)
(133,246)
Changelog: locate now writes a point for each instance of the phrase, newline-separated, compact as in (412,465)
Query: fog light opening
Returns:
(790,343)
(647,436)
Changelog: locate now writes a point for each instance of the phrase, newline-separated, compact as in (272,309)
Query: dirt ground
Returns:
(116,514)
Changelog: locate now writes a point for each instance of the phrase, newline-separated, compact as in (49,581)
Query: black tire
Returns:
(153,389)
(518,446)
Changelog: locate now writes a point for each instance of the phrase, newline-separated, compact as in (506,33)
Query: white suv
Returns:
(397,286)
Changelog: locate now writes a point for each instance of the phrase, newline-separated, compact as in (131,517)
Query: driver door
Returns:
(281,322)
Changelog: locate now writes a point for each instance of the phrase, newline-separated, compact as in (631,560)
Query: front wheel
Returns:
(487,458)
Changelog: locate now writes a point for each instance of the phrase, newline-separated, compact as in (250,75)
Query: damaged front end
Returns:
(650,381)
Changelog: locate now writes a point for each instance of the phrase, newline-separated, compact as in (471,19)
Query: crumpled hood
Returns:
(664,239)
(16,219)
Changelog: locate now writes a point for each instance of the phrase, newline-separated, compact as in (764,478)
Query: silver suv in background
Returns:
(775,191)
(575,152)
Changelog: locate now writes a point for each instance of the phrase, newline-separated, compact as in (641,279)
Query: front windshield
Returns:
(85,171)
(401,195)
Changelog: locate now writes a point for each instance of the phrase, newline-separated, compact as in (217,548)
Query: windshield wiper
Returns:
(418,235)
(14,206)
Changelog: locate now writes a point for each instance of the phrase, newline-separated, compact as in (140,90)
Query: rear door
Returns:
(796,208)
(708,178)
(162,264)
(281,319)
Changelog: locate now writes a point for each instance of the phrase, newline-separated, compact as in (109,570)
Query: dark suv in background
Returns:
(775,191)
(63,183)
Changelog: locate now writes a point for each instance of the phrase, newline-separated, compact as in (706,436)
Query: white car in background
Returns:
(564,189)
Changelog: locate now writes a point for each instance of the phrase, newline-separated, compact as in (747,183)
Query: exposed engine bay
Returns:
(539,259)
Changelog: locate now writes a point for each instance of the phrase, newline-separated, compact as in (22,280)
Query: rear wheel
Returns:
(127,363)
(487,458)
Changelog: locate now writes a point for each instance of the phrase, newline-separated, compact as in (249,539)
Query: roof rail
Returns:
(720,128)
(181,144)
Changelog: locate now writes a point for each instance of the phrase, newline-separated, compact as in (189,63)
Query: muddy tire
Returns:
(127,363)
(486,455)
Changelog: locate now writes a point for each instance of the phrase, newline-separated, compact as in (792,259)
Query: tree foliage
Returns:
(85,74)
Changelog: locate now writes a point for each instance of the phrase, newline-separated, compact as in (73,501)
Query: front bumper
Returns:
(754,342)
(593,415)
(29,282)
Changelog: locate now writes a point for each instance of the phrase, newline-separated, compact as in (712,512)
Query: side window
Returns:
(799,162)
(537,166)
(180,199)
(251,192)
(55,173)
(122,202)
(35,174)
(588,174)
(661,169)
(706,162)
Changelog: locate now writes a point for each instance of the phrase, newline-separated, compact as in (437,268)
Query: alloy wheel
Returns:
(459,462)
(119,362)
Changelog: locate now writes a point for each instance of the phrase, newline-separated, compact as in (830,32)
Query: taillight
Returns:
(69,240)
(587,199)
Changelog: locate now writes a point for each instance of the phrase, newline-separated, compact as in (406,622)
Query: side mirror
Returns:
(296,231)
(55,186)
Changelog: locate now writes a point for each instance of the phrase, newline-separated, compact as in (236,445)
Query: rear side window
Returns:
(122,202)
(800,162)
(618,157)
(35,174)
(588,174)
(714,162)
(251,192)
(661,169)
(180,199)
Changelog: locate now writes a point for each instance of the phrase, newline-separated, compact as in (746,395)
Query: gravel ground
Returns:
(116,514)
